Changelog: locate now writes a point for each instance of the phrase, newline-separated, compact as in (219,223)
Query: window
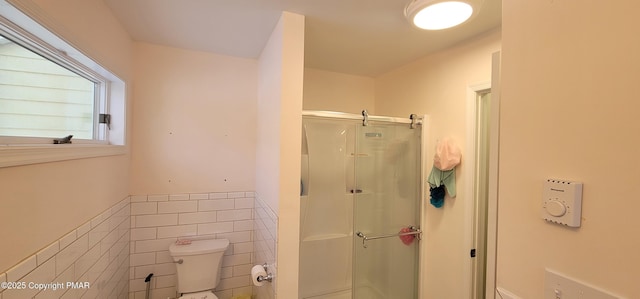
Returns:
(41,98)
(49,90)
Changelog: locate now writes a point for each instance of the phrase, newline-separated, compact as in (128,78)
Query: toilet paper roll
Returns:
(256,271)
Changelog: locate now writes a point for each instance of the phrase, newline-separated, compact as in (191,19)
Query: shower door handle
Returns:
(415,231)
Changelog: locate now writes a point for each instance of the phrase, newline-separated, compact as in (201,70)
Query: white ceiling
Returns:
(360,37)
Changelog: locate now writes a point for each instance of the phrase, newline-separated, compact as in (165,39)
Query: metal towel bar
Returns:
(414,231)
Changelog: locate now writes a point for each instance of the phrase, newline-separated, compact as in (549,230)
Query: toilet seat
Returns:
(199,295)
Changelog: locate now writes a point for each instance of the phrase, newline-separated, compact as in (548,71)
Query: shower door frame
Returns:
(423,122)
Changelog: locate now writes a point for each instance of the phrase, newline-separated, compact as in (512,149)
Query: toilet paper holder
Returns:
(262,278)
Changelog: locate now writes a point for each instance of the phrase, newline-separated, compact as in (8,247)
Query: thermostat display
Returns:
(562,202)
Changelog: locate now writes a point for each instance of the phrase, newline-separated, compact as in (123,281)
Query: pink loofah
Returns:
(407,239)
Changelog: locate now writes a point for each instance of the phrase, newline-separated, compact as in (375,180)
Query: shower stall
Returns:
(360,206)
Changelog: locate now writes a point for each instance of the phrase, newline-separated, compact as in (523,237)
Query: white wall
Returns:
(570,110)
(279,142)
(437,85)
(324,90)
(47,201)
(194,122)
(269,110)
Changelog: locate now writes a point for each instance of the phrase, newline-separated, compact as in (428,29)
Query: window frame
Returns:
(32,43)
(110,97)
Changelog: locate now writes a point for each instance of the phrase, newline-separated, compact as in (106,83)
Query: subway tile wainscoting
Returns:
(266,229)
(159,220)
(117,249)
(96,252)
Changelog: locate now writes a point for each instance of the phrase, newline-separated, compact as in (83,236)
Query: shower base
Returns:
(364,292)
(346,294)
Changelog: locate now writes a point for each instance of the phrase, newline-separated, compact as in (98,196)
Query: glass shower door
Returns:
(387,203)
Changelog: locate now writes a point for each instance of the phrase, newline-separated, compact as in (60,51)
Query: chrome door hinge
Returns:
(105,119)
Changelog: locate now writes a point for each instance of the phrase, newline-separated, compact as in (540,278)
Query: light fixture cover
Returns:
(440,14)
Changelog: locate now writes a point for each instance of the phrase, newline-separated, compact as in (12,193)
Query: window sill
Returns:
(16,155)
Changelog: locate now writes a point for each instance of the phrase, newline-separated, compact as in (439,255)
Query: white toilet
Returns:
(199,265)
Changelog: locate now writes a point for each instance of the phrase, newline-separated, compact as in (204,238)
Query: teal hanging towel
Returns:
(443,172)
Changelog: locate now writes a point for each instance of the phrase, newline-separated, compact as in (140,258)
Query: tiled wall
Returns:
(266,227)
(159,220)
(117,249)
(96,252)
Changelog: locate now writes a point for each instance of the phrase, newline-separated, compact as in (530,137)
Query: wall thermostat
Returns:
(562,202)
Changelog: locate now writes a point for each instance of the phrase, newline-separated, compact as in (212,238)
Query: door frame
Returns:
(473,92)
(470,178)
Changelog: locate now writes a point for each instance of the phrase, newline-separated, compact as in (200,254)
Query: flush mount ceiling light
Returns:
(440,14)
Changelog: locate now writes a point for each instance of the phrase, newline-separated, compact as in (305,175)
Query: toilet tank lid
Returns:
(199,247)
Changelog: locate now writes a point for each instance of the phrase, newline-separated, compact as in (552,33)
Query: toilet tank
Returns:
(201,264)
